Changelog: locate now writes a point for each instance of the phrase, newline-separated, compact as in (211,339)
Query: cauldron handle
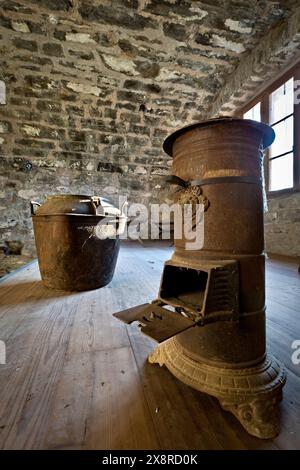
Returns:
(32,204)
(96,202)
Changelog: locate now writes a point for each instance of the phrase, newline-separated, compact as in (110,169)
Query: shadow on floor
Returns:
(19,292)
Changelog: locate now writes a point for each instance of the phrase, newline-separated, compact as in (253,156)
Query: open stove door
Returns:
(188,297)
(155,321)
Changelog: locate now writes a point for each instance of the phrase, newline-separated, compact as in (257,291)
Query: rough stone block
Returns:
(120,64)
(53,49)
(111,15)
(84,88)
(109,167)
(176,31)
(20,26)
(82,55)
(148,69)
(82,38)
(5,127)
(49,106)
(56,5)
(20,43)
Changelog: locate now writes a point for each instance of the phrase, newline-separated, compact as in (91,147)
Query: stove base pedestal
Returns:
(252,394)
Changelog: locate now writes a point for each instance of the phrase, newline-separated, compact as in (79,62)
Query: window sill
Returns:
(282,192)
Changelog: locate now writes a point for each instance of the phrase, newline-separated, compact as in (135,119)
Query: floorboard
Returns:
(77,378)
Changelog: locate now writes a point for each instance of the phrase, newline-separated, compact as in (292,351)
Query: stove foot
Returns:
(157,356)
(252,394)
(259,416)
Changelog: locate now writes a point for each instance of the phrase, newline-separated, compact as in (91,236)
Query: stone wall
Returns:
(282,225)
(93,88)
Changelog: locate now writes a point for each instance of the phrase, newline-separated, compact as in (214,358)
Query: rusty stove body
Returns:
(210,312)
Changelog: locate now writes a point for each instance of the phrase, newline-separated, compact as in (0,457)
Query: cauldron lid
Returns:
(268,134)
(75,205)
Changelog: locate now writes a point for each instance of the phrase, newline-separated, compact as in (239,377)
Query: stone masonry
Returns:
(93,88)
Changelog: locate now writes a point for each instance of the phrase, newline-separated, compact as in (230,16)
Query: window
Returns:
(254,113)
(281,153)
(276,107)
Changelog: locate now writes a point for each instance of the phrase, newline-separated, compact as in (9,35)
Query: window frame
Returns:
(263,97)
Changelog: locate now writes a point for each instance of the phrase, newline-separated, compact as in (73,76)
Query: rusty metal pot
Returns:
(71,253)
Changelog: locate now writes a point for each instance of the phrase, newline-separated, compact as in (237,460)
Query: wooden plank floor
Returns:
(76,378)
